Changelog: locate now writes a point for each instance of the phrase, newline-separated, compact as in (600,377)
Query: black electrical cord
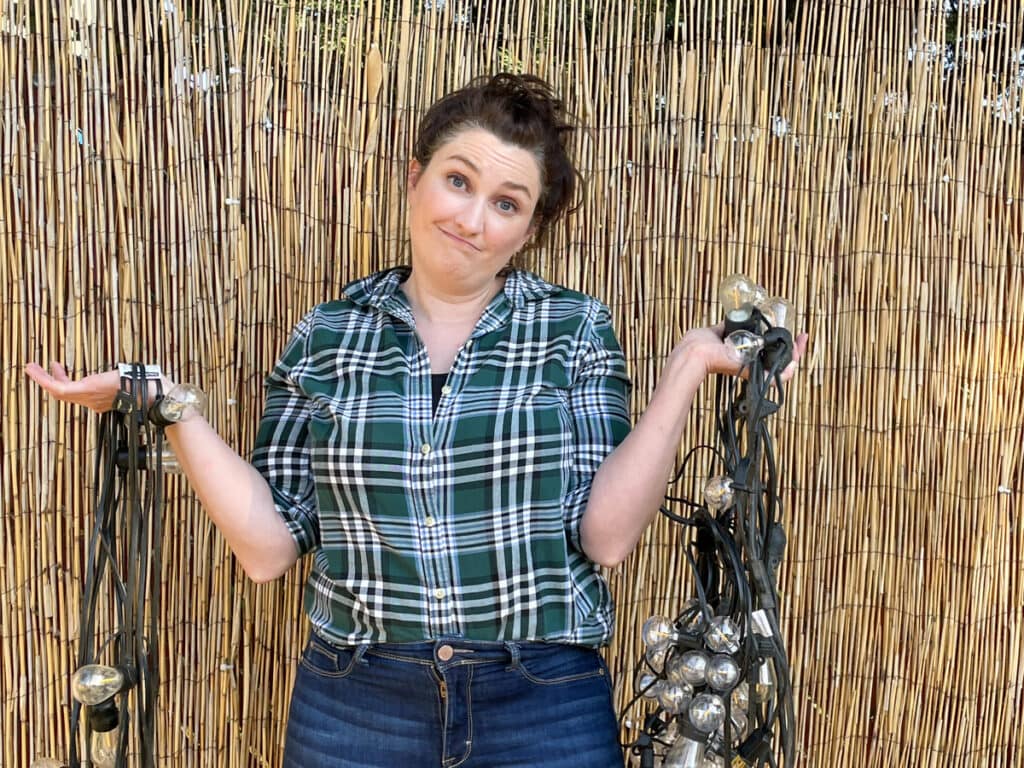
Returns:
(734,557)
(124,557)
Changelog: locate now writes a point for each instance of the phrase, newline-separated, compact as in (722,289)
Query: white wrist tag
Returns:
(151,372)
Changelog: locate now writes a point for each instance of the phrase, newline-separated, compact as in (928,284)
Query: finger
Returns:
(39,375)
(58,371)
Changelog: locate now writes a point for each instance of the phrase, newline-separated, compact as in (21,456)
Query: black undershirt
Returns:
(437,381)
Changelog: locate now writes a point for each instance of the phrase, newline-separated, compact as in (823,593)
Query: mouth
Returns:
(458,239)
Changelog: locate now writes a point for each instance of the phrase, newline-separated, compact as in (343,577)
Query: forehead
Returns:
(494,158)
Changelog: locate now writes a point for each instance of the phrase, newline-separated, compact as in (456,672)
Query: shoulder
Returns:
(565,306)
(530,289)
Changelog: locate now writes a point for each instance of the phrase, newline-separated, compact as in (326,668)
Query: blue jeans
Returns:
(451,703)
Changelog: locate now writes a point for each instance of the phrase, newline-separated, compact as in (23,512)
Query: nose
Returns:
(470,216)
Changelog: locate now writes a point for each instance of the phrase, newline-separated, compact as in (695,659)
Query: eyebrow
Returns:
(509,184)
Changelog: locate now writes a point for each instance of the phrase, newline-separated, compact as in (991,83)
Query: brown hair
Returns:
(521,110)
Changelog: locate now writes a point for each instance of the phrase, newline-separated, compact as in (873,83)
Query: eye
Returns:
(507,206)
(457,180)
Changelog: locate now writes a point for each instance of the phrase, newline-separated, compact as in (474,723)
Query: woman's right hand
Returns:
(96,392)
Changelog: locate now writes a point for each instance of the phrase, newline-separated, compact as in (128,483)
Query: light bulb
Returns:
(655,658)
(94,683)
(764,683)
(779,313)
(741,697)
(722,635)
(739,295)
(718,492)
(739,725)
(180,398)
(47,762)
(745,344)
(694,622)
(722,672)
(648,685)
(675,697)
(685,753)
(707,712)
(688,668)
(104,748)
(658,632)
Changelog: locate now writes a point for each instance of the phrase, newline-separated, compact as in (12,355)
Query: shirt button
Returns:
(439,593)
(446,390)
(425,449)
(429,522)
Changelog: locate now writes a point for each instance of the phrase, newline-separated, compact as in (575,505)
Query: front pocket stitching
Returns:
(329,655)
(558,680)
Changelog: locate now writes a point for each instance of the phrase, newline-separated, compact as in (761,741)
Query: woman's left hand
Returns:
(707,347)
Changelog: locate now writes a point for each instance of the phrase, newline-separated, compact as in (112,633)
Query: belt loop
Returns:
(359,653)
(513,651)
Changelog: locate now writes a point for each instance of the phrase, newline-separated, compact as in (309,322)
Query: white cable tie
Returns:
(150,372)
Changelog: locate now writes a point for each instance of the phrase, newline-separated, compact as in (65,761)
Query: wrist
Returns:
(685,368)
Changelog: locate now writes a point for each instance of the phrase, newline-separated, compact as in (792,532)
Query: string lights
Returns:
(114,704)
(713,686)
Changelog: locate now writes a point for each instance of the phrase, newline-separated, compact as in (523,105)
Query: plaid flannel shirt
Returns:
(459,522)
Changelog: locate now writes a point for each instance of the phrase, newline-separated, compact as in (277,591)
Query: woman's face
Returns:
(471,209)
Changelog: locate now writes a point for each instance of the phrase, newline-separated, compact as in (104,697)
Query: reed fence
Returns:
(181,181)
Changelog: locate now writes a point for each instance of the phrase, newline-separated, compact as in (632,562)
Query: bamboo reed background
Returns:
(180,182)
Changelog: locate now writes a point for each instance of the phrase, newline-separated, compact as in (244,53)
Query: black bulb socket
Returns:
(104,716)
(778,349)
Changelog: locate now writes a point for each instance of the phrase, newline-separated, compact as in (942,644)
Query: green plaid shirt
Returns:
(461,521)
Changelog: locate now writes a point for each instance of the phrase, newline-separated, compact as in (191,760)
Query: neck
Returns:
(448,304)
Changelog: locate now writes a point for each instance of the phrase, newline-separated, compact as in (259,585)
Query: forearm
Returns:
(629,487)
(236,498)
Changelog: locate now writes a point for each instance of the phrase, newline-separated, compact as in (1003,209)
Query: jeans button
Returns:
(445,653)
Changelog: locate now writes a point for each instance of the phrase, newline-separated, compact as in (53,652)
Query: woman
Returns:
(451,442)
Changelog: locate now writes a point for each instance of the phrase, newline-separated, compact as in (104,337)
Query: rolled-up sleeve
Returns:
(282,450)
(599,408)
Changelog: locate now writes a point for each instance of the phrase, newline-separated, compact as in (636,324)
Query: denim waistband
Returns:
(452,651)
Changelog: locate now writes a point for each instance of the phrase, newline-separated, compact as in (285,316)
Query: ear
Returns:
(413,176)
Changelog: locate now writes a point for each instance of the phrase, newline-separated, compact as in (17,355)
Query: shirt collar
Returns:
(382,291)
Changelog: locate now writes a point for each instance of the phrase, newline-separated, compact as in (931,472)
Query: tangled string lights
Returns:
(115,684)
(713,687)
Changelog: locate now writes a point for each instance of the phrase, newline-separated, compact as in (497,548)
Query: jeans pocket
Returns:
(326,660)
(559,665)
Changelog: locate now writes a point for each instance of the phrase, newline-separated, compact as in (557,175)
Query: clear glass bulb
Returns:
(674,698)
(739,295)
(104,748)
(745,344)
(722,672)
(648,685)
(655,657)
(741,697)
(779,313)
(722,635)
(95,683)
(694,623)
(180,398)
(685,753)
(707,712)
(739,725)
(658,632)
(688,668)
(718,492)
